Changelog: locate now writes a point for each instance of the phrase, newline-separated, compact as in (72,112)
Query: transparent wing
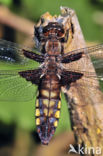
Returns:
(84,76)
(95,52)
(12,53)
(96,55)
(15,88)
(87,77)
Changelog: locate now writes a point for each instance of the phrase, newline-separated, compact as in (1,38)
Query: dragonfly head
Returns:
(53,29)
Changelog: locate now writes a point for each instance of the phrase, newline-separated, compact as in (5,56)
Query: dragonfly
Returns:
(50,75)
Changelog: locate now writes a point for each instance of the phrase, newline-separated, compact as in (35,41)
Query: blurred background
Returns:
(17,121)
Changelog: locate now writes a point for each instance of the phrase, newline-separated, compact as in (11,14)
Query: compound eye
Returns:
(60,32)
(45,32)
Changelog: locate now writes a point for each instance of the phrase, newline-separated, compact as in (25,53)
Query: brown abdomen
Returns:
(48,106)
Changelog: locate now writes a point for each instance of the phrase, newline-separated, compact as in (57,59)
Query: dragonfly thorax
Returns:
(53,47)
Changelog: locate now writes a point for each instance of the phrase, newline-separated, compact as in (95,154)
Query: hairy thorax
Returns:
(53,47)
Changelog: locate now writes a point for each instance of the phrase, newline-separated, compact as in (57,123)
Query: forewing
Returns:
(13,53)
(95,52)
(96,55)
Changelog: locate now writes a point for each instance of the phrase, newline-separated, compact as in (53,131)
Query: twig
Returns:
(16,22)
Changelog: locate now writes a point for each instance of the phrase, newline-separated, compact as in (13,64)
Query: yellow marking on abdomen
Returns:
(37,113)
(53,94)
(56,123)
(57,114)
(45,92)
(45,111)
(50,112)
(59,104)
(37,121)
(45,102)
(52,103)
